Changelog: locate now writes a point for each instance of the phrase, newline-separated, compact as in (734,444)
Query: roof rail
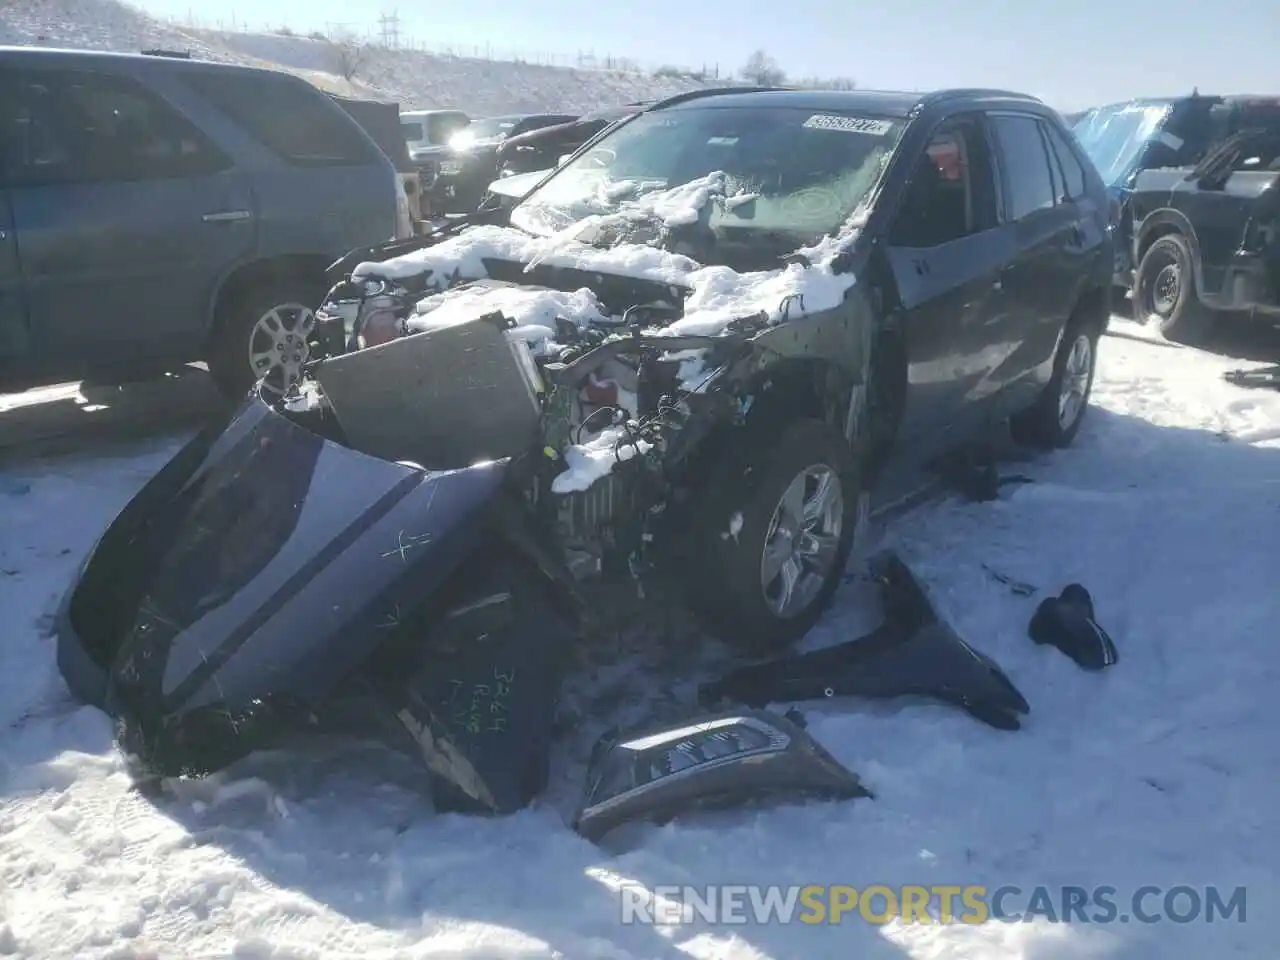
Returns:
(172,54)
(977,92)
(708,92)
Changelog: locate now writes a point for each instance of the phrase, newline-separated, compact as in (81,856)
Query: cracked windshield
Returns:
(787,173)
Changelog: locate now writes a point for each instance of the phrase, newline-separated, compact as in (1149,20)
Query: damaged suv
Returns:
(677,363)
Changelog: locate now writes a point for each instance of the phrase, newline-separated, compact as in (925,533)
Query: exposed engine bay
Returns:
(610,405)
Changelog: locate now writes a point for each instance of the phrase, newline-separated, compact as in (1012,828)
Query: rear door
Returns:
(323,186)
(946,250)
(13,311)
(125,213)
(1039,278)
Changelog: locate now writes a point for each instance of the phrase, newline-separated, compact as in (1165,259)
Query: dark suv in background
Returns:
(157,210)
(471,162)
(1153,133)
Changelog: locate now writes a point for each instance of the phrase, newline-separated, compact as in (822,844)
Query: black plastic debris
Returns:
(482,706)
(1068,622)
(913,653)
(1258,378)
(975,476)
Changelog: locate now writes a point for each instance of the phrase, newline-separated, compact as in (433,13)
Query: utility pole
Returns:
(390,24)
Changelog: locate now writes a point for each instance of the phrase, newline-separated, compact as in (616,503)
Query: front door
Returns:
(946,251)
(127,216)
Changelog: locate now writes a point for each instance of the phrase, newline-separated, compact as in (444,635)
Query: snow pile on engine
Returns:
(716,295)
(587,462)
(533,310)
(462,257)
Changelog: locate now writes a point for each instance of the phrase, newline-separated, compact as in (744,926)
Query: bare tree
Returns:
(347,57)
(762,70)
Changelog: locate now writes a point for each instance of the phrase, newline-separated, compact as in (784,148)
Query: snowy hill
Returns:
(413,78)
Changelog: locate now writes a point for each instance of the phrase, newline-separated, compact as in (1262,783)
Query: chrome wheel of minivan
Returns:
(278,345)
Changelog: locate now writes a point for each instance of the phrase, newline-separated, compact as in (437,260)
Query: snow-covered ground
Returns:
(1161,771)
(413,78)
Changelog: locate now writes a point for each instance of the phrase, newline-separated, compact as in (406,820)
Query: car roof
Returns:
(57,56)
(883,103)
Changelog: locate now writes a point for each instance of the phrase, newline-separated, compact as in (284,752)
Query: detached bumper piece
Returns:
(713,761)
(913,653)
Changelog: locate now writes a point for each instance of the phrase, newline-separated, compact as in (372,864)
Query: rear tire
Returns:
(1164,291)
(780,511)
(1054,420)
(272,321)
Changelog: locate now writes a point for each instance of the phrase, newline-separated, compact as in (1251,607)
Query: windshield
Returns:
(742,174)
(1115,137)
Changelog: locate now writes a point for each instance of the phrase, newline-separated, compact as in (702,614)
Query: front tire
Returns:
(1164,291)
(1055,419)
(262,334)
(774,527)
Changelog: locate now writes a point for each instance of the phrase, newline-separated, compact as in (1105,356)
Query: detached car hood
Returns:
(257,564)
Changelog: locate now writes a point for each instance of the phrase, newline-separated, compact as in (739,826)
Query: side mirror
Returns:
(710,762)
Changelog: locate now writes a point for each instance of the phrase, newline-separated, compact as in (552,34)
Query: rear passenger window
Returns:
(1028,182)
(1071,173)
(287,115)
(87,127)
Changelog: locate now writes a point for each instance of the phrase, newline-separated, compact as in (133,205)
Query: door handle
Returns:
(227,216)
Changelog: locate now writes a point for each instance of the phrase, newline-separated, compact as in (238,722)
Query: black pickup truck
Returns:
(1207,238)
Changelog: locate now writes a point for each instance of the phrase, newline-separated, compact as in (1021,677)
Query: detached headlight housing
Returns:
(709,762)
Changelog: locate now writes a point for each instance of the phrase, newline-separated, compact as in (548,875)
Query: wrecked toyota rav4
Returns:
(675,365)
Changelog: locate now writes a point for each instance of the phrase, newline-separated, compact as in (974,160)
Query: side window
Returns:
(293,119)
(951,193)
(1262,149)
(1068,164)
(87,127)
(1026,165)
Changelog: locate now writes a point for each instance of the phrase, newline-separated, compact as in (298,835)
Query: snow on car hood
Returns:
(717,294)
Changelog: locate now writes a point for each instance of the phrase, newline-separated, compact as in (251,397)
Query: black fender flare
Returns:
(1166,220)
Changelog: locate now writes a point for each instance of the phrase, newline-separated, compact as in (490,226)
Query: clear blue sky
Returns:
(1072,54)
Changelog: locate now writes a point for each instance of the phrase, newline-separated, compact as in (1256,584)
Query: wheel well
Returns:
(786,391)
(1095,306)
(1156,232)
(796,389)
(307,268)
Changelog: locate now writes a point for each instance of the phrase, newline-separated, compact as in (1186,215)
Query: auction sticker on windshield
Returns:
(822,121)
